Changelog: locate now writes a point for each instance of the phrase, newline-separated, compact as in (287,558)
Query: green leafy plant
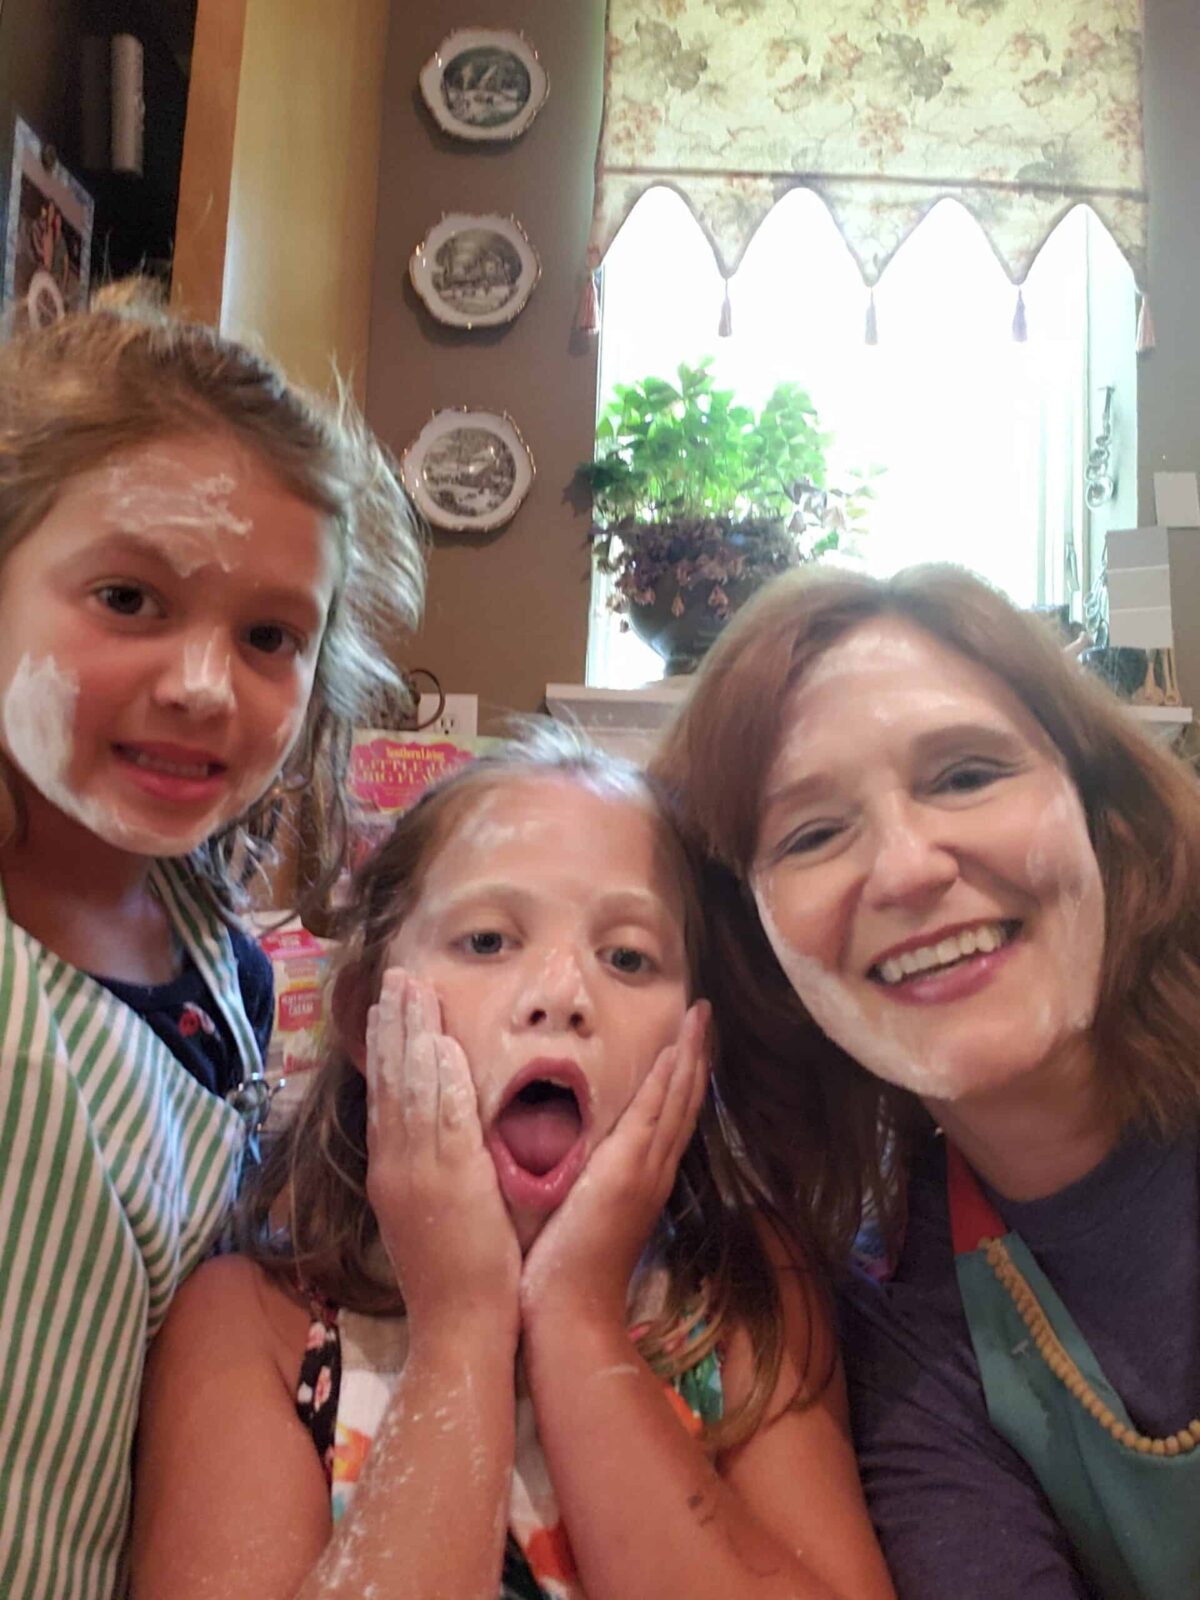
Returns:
(688,484)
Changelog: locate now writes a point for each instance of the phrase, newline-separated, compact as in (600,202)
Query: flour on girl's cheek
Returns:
(38,720)
(37,716)
(189,516)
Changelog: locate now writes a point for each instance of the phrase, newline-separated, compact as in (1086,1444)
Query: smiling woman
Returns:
(955,897)
(915,805)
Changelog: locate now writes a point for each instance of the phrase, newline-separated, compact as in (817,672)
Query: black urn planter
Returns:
(682,640)
(679,624)
(1122,667)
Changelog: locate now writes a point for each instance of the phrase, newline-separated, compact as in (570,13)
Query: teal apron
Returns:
(1130,1505)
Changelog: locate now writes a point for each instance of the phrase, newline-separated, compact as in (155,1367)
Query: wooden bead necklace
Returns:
(1048,1346)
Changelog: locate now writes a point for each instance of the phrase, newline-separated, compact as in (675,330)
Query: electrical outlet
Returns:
(458,719)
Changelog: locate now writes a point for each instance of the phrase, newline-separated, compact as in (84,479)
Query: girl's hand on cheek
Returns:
(584,1257)
(430,1180)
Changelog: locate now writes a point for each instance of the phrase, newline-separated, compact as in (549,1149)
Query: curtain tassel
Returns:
(1145,327)
(725,326)
(871,331)
(587,317)
(1020,328)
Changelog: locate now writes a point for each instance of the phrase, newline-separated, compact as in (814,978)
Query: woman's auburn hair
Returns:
(826,1141)
(305,1216)
(127,373)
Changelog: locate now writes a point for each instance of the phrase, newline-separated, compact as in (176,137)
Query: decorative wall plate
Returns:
(475,271)
(468,471)
(484,83)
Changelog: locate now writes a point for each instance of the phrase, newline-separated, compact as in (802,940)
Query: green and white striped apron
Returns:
(116,1170)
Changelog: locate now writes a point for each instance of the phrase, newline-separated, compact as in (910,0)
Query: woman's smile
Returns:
(924,867)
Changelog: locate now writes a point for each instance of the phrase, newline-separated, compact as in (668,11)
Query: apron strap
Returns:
(973,1218)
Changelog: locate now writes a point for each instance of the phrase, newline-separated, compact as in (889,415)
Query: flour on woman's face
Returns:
(924,872)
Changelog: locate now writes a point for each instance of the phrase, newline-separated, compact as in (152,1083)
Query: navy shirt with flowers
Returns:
(189,1022)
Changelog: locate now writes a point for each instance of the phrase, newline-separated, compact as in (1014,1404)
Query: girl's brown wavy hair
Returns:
(127,373)
(823,1140)
(314,1174)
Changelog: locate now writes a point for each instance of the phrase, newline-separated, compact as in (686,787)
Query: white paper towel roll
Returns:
(128,106)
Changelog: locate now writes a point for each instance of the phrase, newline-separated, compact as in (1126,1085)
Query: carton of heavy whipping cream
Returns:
(300,962)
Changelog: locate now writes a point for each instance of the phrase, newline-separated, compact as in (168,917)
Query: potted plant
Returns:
(697,501)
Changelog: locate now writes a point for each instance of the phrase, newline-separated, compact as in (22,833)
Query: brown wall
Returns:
(507,612)
(39,45)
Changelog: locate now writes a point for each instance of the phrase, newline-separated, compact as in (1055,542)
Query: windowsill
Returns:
(625,722)
(628,722)
(1180,714)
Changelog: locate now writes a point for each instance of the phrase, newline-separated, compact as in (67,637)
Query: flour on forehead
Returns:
(481,829)
(187,513)
(868,647)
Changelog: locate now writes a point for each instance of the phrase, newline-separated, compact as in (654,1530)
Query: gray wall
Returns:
(1169,376)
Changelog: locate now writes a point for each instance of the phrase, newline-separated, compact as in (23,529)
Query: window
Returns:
(982,440)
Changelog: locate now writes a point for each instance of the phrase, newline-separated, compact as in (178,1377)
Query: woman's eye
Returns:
(629,961)
(487,943)
(127,600)
(810,839)
(965,777)
(270,639)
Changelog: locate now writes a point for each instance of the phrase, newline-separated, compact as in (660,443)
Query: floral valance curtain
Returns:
(1020,109)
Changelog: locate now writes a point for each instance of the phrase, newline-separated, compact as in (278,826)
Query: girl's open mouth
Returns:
(536,1141)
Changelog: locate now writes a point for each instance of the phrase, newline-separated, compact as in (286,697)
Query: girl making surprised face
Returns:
(522,1333)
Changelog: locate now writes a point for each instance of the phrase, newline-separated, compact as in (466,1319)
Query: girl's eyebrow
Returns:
(125,545)
(639,905)
(115,545)
(634,905)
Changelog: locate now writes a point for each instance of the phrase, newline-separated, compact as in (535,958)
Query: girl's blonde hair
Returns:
(126,373)
(718,1269)
(827,1139)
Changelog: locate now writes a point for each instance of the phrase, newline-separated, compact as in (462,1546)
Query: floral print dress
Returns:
(350,1368)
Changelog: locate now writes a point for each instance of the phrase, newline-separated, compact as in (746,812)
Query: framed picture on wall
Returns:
(475,271)
(484,83)
(468,471)
(48,236)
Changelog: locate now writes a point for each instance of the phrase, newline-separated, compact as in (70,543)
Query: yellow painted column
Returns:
(201,223)
(300,236)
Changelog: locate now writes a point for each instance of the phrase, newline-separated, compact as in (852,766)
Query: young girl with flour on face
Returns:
(190,551)
(521,1334)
